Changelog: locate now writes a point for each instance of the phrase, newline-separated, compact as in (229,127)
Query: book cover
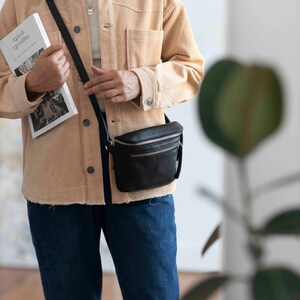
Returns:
(21,49)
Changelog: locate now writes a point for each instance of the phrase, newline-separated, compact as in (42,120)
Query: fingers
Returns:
(101,77)
(104,85)
(55,54)
(107,92)
(65,76)
(65,68)
(59,61)
(50,71)
(51,50)
(113,86)
(110,95)
(63,64)
(97,71)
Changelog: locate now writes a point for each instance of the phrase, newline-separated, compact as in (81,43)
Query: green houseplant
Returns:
(239,107)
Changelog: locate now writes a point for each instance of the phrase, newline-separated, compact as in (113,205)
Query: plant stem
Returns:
(275,184)
(228,209)
(244,191)
(255,242)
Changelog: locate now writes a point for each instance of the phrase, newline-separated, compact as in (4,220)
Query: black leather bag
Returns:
(148,158)
(143,159)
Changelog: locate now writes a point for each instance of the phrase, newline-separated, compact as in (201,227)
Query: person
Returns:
(141,58)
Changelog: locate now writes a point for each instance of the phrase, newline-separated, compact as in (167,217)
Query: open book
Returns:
(21,49)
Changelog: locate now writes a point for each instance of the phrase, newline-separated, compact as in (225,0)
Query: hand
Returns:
(50,71)
(114,85)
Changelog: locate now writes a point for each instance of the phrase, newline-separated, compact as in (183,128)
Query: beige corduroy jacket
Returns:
(151,37)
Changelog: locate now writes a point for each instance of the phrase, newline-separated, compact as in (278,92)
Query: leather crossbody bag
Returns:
(143,159)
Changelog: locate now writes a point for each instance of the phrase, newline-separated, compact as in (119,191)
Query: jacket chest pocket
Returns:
(143,47)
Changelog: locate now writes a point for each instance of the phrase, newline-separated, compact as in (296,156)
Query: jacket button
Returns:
(86,122)
(106,26)
(77,29)
(149,101)
(90,170)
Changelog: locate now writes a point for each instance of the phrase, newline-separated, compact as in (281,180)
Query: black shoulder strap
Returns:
(80,67)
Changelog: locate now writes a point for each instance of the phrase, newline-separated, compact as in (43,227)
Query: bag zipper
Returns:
(147,142)
(153,153)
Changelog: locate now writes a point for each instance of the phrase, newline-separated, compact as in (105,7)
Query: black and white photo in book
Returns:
(52,108)
(53,105)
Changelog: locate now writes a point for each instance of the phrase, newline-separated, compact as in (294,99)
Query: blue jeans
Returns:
(141,237)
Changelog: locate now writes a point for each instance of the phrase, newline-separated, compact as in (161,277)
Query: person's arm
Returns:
(178,77)
(20,95)
(174,80)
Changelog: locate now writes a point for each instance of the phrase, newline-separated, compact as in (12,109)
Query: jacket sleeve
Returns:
(13,97)
(177,78)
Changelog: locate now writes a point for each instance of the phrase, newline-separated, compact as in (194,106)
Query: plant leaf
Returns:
(208,98)
(206,288)
(239,106)
(284,223)
(249,107)
(207,193)
(276,284)
(212,239)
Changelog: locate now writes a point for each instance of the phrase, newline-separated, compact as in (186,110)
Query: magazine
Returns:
(21,49)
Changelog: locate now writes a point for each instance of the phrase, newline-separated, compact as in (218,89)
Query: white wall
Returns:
(266,31)
(196,217)
(203,163)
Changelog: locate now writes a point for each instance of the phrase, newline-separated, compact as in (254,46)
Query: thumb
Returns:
(97,71)
(50,50)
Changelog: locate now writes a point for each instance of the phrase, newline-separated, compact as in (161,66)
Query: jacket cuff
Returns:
(149,97)
(19,96)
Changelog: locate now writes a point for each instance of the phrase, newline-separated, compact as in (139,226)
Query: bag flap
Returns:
(153,132)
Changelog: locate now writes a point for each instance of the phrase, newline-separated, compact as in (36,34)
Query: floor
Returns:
(19,284)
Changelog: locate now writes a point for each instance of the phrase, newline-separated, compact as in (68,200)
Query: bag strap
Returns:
(80,68)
